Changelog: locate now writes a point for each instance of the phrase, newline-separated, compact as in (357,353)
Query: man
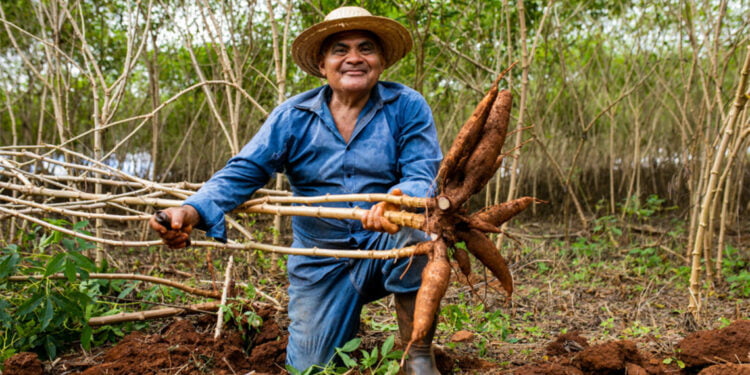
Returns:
(353,135)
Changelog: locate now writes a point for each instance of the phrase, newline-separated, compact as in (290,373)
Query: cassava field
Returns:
(592,213)
(604,302)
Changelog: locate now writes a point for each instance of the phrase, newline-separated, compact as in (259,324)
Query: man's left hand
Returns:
(375,219)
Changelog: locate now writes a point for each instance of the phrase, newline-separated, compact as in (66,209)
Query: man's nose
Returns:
(354,57)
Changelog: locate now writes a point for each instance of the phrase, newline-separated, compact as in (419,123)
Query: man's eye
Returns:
(339,51)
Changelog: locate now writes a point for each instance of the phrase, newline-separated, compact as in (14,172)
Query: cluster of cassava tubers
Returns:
(470,163)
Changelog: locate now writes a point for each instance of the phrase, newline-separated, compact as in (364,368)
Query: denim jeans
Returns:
(325,311)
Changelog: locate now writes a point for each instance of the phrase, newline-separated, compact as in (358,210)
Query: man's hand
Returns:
(375,219)
(182,220)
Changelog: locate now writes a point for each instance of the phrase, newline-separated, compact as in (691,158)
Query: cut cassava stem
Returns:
(152,314)
(246,246)
(125,276)
(400,218)
(228,284)
(399,200)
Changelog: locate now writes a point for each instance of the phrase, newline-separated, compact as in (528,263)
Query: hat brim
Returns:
(395,39)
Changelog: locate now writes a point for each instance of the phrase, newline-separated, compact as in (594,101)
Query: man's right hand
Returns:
(182,220)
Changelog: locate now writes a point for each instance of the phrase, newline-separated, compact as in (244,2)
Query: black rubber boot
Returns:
(421,358)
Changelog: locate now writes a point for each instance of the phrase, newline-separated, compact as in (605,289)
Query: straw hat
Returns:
(394,38)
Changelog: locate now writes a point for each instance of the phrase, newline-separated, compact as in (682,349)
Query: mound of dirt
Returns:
(570,354)
(727,369)
(23,364)
(730,344)
(609,357)
(187,347)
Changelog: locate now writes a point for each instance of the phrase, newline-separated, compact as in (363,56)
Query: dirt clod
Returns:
(726,369)
(567,343)
(189,347)
(23,364)
(730,344)
(462,336)
(610,357)
(448,362)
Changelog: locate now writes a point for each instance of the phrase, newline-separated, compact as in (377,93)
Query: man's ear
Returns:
(321,67)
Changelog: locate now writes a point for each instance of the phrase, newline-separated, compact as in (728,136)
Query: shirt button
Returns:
(348,175)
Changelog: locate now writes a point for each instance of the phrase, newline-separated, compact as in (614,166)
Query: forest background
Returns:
(619,106)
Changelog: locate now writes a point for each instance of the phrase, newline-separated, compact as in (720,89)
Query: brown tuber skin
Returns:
(435,278)
(483,249)
(462,258)
(498,214)
(467,138)
(472,160)
(481,165)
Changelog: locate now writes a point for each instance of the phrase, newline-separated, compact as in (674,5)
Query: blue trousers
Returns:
(325,308)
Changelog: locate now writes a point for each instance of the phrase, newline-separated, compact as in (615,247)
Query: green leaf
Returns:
(70,271)
(70,309)
(396,354)
(86,335)
(83,261)
(369,358)
(69,244)
(8,264)
(392,368)
(30,304)
(54,265)
(5,318)
(388,344)
(84,245)
(50,347)
(48,313)
(127,290)
(80,225)
(292,370)
(351,345)
(58,222)
(84,274)
(348,361)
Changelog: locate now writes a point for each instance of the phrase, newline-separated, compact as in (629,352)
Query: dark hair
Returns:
(329,41)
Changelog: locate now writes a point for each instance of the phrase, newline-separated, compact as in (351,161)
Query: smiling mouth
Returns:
(355,72)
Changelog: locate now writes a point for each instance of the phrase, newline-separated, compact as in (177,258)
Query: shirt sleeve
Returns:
(243,174)
(419,151)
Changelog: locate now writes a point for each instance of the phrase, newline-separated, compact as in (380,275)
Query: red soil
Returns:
(189,348)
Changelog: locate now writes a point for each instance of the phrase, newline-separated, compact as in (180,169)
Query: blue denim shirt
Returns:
(394,145)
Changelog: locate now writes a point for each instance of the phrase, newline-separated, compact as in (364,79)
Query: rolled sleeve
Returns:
(212,218)
(241,177)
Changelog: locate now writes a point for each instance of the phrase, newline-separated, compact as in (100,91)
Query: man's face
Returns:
(352,62)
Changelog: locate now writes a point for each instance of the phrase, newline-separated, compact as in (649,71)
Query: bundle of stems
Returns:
(36,181)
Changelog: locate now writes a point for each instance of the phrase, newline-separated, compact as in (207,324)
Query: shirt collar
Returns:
(381,94)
